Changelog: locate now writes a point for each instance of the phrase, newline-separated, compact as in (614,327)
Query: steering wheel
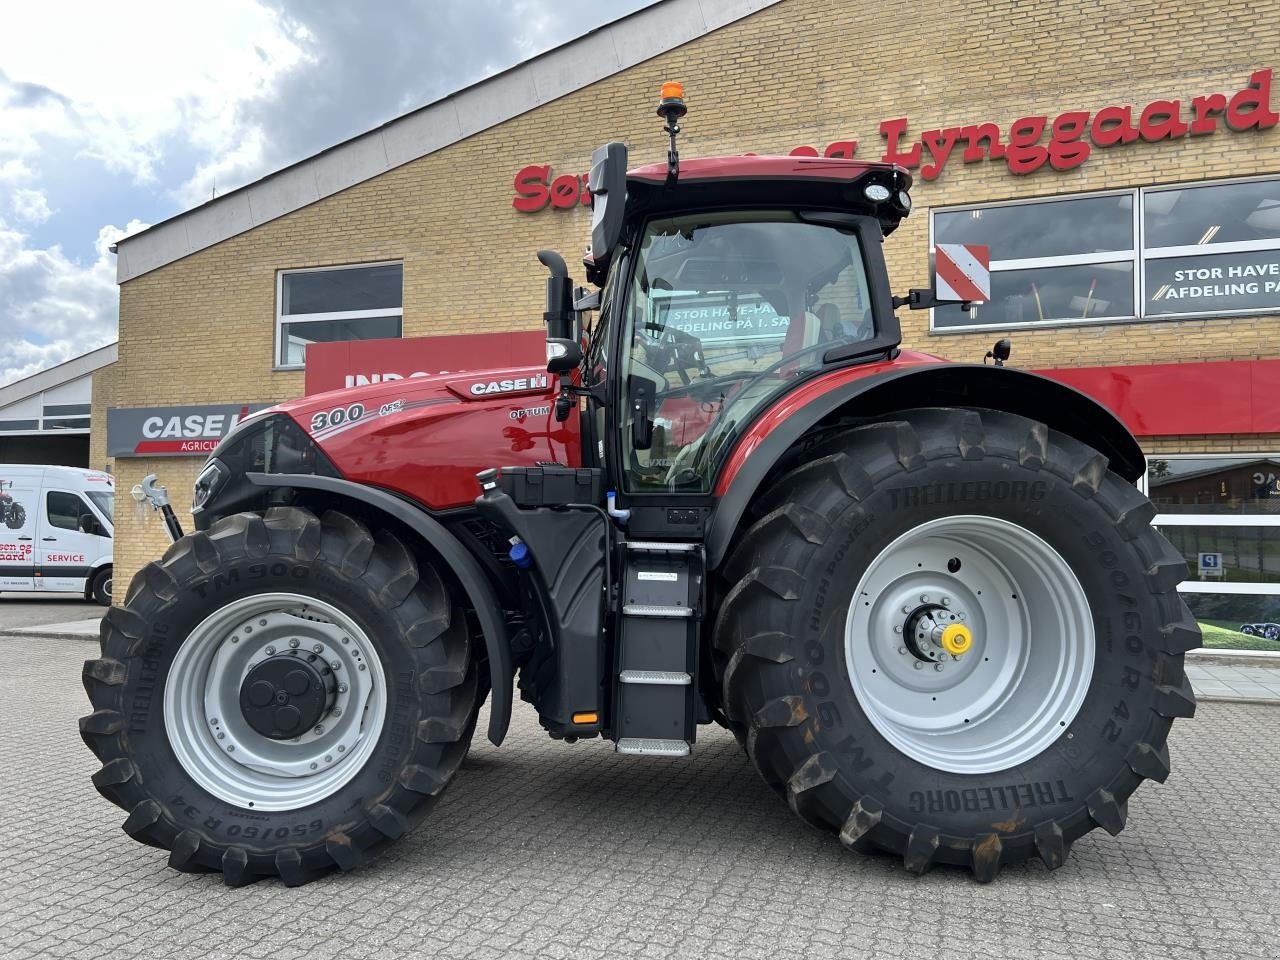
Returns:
(675,351)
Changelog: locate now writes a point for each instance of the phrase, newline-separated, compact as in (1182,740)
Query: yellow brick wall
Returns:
(804,71)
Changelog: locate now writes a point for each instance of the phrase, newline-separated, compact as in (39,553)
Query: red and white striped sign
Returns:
(963,272)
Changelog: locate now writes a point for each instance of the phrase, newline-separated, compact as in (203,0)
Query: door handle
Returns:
(49,539)
(24,538)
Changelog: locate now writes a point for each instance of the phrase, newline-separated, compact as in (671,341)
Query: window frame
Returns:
(1138,257)
(280,321)
(1214,520)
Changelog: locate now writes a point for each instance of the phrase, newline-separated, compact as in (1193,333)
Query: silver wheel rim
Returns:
(215,744)
(1030,663)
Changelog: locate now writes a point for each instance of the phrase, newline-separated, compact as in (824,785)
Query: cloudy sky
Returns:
(142,109)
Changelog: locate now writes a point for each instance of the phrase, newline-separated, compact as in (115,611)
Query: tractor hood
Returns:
(422,437)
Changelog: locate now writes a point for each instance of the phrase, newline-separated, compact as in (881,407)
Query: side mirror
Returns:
(608,185)
(89,524)
(1000,352)
(563,355)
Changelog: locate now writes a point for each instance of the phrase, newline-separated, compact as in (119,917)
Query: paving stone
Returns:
(543,849)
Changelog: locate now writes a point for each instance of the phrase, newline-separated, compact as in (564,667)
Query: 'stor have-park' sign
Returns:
(1026,145)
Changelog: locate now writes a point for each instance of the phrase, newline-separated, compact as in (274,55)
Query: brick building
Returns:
(1122,159)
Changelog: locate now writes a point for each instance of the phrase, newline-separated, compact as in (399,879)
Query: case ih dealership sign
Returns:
(187,431)
(1026,145)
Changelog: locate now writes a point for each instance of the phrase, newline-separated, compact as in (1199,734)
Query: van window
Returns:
(105,502)
(65,509)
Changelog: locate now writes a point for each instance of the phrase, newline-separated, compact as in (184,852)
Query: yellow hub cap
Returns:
(957,639)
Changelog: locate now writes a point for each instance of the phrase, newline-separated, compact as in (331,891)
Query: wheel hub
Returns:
(935,633)
(274,701)
(969,644)
(285,695)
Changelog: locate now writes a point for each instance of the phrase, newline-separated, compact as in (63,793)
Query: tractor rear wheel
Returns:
(280,696)
(955,637)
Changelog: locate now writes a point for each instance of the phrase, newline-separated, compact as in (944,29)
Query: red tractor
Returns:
(924,596)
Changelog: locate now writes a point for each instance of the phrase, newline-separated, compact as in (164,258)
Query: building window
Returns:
(1207,249)
(1222,513)
(66,409)
(325,304)
(1212,249)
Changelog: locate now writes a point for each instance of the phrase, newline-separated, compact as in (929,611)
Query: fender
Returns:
(905,386)
(455,556)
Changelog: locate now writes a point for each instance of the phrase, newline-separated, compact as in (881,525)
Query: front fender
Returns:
(455,557)
(910,386)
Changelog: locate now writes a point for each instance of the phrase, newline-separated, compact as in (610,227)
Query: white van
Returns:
(56,525)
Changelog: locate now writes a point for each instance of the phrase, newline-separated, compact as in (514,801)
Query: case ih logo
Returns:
(1071,138)
(514,385)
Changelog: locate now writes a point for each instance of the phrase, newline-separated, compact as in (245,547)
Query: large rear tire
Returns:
(369,706)
(827,640)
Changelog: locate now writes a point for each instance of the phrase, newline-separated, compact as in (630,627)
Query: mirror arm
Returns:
(918,298)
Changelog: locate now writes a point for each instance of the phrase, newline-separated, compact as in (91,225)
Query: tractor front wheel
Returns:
(280,696)
(955,637)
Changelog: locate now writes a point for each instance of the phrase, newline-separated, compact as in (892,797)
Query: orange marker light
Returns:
(586,718)
(673,90)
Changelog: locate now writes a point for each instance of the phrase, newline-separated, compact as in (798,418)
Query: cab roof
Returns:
(747,180)
(771,167)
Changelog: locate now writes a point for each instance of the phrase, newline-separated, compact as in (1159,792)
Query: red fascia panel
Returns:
(330,364)
(747,165)
(1169,399)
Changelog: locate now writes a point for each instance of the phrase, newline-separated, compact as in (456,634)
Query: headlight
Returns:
(876,192)
(210,481)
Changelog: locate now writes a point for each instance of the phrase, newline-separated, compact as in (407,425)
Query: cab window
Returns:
(725,310)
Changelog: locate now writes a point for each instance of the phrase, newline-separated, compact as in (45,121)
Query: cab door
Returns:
(19,509)
(70,540)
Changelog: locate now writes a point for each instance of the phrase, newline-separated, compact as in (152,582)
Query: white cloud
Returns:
(196,62)
(30,205)
(54,308)
(187,97)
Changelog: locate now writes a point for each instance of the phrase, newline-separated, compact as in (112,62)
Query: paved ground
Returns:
(1232,681)
(547,850)
(34,609)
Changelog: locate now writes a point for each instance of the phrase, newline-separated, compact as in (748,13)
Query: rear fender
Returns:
(456,558)
(1056,405)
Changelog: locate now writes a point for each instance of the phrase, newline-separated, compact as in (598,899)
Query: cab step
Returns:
(655,546)
(655,688)
(669,678)
(640,746)
(655,610)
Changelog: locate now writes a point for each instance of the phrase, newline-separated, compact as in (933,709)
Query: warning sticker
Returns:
(667,576)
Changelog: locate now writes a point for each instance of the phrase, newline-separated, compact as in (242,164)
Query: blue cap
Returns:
(520,556)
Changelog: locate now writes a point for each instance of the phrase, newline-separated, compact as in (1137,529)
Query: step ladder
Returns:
(656,685)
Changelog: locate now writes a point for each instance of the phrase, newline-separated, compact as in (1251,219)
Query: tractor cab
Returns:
(726,281)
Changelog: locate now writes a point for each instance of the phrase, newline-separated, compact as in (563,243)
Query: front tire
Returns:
(837,590)
(358,755)
(100,587)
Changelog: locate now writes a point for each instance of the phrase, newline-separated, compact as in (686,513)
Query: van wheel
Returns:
(100,589)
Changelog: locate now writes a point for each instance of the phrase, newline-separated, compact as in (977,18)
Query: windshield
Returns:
(105,502)
(724,311)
